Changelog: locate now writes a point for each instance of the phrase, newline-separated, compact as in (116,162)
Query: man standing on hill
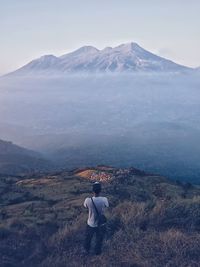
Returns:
(96,223)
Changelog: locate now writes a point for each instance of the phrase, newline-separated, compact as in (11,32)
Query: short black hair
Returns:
(96,187)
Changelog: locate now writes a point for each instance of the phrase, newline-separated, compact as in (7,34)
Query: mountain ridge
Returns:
(128,57)
(16,160)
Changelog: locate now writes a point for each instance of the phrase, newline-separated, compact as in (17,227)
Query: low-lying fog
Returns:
(150,121)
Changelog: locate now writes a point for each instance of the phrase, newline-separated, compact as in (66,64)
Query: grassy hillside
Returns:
(152,221)
(17,160)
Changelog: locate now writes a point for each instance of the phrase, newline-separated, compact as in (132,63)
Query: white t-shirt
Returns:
(101,203)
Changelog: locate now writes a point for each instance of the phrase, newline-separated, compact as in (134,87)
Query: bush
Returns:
(4,232)
(182,213)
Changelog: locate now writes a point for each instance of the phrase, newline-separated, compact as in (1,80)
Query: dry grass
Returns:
(146,228)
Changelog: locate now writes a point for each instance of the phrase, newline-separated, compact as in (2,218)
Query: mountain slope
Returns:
(128,57)
(17,160)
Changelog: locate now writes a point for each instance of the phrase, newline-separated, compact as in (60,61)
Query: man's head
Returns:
(96,188)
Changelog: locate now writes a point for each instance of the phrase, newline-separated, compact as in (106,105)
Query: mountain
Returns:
(152,221)
(15,160)
(128,57)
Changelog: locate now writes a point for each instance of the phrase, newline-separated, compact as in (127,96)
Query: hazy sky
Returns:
(32,28)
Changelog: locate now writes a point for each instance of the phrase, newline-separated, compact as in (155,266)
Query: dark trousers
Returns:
(99,234)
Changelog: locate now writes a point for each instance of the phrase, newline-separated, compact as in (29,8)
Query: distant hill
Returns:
(129,57)
(152,221)
(17,160)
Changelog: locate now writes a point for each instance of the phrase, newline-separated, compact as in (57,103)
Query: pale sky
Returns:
(32,28)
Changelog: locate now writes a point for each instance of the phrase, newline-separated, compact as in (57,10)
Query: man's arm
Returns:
(106,202)
(85,203)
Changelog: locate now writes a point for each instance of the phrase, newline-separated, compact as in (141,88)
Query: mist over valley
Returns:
(148,120)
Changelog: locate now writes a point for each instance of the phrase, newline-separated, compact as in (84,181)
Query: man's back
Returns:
(101,203)
(95,206)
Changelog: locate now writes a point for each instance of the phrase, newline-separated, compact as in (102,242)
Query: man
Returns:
(96,206)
